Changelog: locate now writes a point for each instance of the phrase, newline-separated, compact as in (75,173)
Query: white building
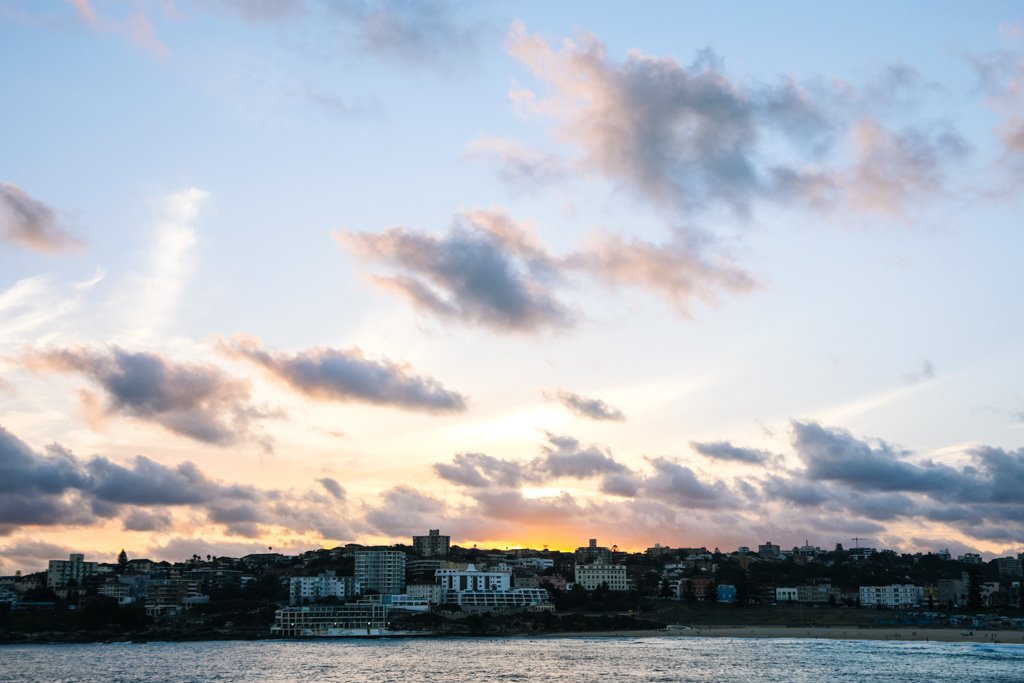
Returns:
(518,598)
(787,594)
(591,576)
(471,579)
(60,572)
(306,589)
(538,563)
(895,596)
(382,571)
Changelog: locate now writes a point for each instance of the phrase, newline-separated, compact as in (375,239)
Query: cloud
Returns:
(678,270)
(196,401)
(835,455)
(679,485)
(926,372)
(404,511)
(334,375)
(683,137)
(593,408)
(895,169)
(723,450)
(147,482)
(487,270)
(564,456)
(519,167)
(259,11)
(479,470)
(146,520)
(332,487)
(30,223)
(410,33)
(57,489)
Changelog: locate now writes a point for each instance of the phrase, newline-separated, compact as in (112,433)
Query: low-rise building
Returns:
(472,579)
(307,589)
(896,596)
(591,576)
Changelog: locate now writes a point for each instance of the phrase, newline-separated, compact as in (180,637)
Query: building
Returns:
(471,579)
(536,563)
(726,593)
(896,596)
(432,545)
(769,551)
(357,618)
(970,558)
(515,599)
(592,553)
(954,591)
(306,589)
(787,594)
(819,593)
(591,576)
(1010,567)
(61,572)
(380,571)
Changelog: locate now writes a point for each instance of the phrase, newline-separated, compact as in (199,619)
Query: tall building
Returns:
(382,571)
(60,572)
(593,553)
(432,545)
(769,551)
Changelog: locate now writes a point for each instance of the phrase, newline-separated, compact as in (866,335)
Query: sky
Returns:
(298,273)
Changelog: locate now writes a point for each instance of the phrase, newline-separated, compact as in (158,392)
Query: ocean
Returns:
(472,660)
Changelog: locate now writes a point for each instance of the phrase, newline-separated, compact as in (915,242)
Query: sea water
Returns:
(478,660)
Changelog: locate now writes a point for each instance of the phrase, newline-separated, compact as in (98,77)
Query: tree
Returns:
(122,562)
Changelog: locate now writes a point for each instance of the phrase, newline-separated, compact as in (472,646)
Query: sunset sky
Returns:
(302,273)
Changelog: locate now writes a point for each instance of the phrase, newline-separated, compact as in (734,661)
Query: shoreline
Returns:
(908,634)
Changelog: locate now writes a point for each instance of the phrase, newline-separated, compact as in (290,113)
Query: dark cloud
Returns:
(332,487)
(149,483)
(565,457)
(140,519)
(723,450)
(196,401)
(478,470)
(410,33)
(30,223)
(626,485)
(835,455)
(23,471)
(679,485)
(486,270)
(59,489)
(593,408)
(331,374)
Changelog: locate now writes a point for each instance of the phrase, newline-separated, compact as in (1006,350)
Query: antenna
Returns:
(857,540)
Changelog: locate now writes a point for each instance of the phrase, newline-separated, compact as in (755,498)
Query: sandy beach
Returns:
(945,635)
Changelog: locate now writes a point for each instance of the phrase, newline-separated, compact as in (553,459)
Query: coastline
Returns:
(922,634)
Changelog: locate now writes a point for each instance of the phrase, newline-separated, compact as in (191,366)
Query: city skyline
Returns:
(297,274)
